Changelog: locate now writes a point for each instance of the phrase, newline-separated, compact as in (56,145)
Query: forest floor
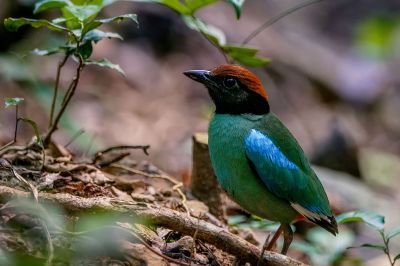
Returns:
(108,210)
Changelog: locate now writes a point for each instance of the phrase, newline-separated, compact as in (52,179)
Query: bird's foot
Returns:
(268,245)
(287,238)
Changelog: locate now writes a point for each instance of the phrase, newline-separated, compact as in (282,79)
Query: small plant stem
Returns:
(386,250)
(276,18)
(16,123)
(53,103)
(68,95)
(15,131)
(220,49)
(74,137)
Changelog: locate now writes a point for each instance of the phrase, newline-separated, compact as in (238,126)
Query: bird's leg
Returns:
(274,238)
(268,245)
(260,259)
(287,238)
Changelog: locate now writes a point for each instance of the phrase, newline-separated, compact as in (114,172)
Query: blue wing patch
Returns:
(286,180)
(259,145)
(277,172)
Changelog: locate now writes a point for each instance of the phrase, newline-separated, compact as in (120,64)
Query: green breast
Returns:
(226,143)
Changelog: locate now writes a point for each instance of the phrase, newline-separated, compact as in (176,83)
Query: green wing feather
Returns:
(280,162)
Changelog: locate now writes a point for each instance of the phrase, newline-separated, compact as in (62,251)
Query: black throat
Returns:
(250,103)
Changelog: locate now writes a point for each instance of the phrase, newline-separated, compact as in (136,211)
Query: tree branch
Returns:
(155,215)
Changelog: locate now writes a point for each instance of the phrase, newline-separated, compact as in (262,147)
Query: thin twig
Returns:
(276,18)
(210,253)
(31,187)
(291,103)
(386,249)
(74,137)
(38,138)
(220,49)
(6,148)
(195,238)
(5,164)
(112,160)
(98,154)
(89,146)
(53,103)
(176,187)
(70,92)
(15,130)
(14,149)
(149,247)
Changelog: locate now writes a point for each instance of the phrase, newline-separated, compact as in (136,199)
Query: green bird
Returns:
(256,159)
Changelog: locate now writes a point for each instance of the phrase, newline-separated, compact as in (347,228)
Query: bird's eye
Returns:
(230,82)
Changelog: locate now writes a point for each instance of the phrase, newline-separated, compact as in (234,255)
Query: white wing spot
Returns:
(307,213)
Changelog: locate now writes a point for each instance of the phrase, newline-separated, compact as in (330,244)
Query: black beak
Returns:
(202,76)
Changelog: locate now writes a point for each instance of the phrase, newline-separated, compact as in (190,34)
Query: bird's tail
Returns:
(328,224)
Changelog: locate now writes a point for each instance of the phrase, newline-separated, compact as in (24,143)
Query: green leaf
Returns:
(47,52)
(372,219)
(98,22)
(59,20)
(119,19)
(396,258)
(106,63)
(49,4)
(215,35)
(13,24)
(187,7)
(86,50)
(173,4)
(194,5)
(245,55)
(13,101)
(394,232)
(373,246)
(249,51)
(83,13)
(99,3)
(237,5)
(98,35)
(375,36)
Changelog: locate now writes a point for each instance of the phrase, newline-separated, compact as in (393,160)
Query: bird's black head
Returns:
(234,89)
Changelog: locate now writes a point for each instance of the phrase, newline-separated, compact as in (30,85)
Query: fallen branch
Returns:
(98,154)
(173,220)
